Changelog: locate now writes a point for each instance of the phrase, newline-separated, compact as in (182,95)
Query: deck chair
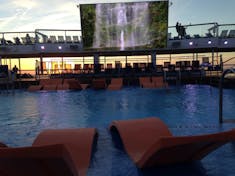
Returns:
(53,39)
(23,40)
(76,39)
(231,34)
(50,84)
(73,84)
(33,88)
(68,39)
(223,33)
(116,84)
(99,83)
(145,82)
(60,39)
(149,142)
(60,152)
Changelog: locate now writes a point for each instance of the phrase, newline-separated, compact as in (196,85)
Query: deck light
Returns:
(225,42)
(60,47)
(42,47)
(209,42)
(190,43)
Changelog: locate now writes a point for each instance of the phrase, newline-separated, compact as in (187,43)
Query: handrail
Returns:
(231,70)
(229,59)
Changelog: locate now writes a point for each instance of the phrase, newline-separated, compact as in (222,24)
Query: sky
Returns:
(28,15)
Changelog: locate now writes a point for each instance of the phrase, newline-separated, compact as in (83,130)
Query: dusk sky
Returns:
(28,15)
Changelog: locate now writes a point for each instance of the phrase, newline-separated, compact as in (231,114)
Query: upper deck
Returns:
(205,37)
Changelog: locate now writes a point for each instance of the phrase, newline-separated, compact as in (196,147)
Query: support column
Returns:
(213,57)
(41,64)
(97,68)
(154,58)
(221,63)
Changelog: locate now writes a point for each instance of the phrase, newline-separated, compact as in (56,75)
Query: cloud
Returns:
(28,15)
(28,4)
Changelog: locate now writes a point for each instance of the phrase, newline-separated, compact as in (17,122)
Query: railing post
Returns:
(221,99)
(221,93)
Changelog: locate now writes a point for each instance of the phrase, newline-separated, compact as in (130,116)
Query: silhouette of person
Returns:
(15,69)
(28,39)
(177,26)
(17,41)
(37,66)
(14,72)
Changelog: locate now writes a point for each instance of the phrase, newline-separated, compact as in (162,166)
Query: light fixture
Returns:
(209,42)
(191,43)
(42,47)
(60,47)
(226,42)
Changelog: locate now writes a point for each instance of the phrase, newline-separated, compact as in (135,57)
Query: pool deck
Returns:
(130,79)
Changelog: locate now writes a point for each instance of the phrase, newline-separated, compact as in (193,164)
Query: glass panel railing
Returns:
(227,31)
(194,31)
(58,36)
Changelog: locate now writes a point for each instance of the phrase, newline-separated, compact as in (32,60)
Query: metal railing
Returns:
(231,70)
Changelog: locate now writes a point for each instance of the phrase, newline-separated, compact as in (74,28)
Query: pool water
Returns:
(187,110)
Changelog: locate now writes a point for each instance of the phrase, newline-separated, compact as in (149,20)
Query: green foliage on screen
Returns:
(125,26)
(88,24)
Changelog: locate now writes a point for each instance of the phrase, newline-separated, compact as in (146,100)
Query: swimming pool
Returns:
(189,109)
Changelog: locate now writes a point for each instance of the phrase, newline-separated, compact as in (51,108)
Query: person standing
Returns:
(14,72)
(37,67)
(177,27)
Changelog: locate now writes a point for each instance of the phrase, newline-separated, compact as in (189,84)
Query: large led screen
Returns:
(124,26)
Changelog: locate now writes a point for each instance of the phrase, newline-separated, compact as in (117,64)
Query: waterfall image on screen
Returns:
(125,26)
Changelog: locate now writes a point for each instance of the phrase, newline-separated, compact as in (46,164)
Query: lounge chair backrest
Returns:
(144,79)
(224,33)
(117,81)
(73,84)
(231,34)
(61,39)
(53,39)
(51,81)
(158,79)
(37,161)
(99,83)
(76,39)
(68,39)
(171,150)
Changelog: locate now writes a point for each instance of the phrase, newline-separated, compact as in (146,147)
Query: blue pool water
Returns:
(187,110)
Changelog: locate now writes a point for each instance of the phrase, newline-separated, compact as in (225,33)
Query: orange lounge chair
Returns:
(63,87)
(116,84)
(99,83)
(64,152)
(33,88)
(73,84)
(149,142)
(159,82)
(51,84)
(145,82)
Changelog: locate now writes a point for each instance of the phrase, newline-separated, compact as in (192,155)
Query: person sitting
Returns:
(28,39)
(17,41)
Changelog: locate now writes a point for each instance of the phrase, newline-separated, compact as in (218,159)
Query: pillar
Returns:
(41,64)
(97,68)
(154,58)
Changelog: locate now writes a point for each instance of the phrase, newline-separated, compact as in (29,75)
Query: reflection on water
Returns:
(187,110)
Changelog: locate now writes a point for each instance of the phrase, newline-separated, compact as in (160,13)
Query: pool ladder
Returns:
(231,70)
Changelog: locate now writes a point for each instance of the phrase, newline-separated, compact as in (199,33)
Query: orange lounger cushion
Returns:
(33,88)
(99,83)
(50,87)
(63,87)
(116,84)
(149,142)
(62,152)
